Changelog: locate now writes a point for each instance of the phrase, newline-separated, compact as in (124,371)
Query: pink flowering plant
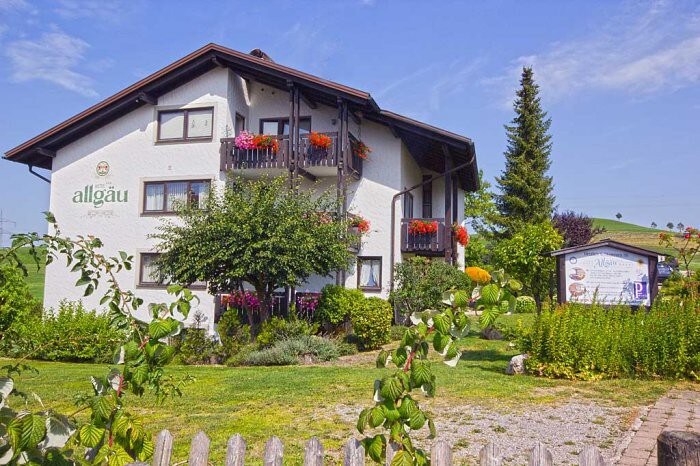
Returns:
(245,140)
(686,244)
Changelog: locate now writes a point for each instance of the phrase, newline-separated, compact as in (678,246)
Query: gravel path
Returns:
(565,429)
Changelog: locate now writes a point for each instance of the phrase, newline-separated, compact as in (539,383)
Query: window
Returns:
(167,196)
(280,126)
(427,197)
(149,275)
(408,205)
(185,125)
(369,273)
(240,124)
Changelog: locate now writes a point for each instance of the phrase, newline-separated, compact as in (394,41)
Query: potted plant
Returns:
(460,235)
(319,143)
(359,225)
(361,150)
(422,231)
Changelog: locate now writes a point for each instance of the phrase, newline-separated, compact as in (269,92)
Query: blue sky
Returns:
(621,81)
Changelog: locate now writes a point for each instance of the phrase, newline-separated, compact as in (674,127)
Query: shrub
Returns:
(420,282)
(15,298)
(232,333)
(277,329)
(70,334)
(198,347)
(397,331)
(576,229)
(287,352)
(371,323)
(525,304)
(588,342)
(336,305)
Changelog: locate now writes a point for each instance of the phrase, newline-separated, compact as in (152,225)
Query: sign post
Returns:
(607,272)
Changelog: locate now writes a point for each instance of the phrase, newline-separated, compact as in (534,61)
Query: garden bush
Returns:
(335,306)
(525,305)
(288,352)
(197,347)
(232,334)
(15,298)
(397,331)
(420,282)
(371,323)
(70,334)
(277,329)
(589,342)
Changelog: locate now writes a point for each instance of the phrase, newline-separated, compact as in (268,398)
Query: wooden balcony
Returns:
(432,244)
(312,160)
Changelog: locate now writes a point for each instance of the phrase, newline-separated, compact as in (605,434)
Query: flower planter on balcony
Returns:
(423,243)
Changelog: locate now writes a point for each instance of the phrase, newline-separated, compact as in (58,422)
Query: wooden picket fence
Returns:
(354,453)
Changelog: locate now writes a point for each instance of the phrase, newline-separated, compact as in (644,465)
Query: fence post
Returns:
(590,456)
(441,454)
(490,455)
(163,449)
(235,451)
(540,456)
(313,454)
(354,453)
(274,451)
(199,450)
(676,448)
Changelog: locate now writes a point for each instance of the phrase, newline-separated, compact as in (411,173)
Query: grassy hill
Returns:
(636,235)
(35,279)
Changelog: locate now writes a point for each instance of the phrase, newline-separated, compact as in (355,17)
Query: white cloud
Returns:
(651,47)
(53,57)
(78,9)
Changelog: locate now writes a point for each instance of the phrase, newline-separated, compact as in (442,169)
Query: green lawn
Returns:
(35,278)
(296,403)
(616,225)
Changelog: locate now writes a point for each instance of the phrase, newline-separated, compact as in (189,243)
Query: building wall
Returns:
(129,146)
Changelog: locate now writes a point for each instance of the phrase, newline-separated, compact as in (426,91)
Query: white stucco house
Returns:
(117,168)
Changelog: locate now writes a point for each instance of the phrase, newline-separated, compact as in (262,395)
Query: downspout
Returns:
(393,212)
(31,170)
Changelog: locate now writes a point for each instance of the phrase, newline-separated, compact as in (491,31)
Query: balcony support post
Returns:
(341,155)
(448,205)
(298,156)
(290,150)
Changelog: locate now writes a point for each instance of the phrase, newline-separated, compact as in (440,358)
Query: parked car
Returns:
(664,270)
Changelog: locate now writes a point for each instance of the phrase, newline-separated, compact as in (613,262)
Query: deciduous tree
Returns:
(259,232)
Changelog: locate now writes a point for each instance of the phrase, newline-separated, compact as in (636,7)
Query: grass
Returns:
(35,278)
(636,235)
(296,403)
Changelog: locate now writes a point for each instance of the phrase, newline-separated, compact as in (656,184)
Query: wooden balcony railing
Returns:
(432,243)
(233,158)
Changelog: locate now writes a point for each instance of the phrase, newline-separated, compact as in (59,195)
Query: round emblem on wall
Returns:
(102,168)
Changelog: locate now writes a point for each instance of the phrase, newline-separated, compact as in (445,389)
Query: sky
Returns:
(620,80)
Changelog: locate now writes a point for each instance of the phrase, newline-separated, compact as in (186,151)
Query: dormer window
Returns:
(191,124)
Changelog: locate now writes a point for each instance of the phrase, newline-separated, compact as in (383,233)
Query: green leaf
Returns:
(161,328)
(390,411)
(402,458)
(91,435)
(399,356)
(407,407)
(376,416)
(139,375)
(491,294)
(441,341)
(417,420)
(118,457)
(33,430)
(442,323)
(375,448)
(461,299)
(102,406)
(391,388)
(382,358)
(433,430)
(362,420)
(421,372)
(515,285)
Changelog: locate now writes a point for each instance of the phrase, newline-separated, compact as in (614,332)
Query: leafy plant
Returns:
(490,295)
(525,305)
(277,329)
(288,352)
(396,410)
(575,229)
(371,322)
(336,305)
(420,282)
(111,435)
(15,299)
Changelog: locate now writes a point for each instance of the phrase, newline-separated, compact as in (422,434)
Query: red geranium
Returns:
(265,141)
(361,224)
(461,235)
(362,150)
(320,140)
(422,227)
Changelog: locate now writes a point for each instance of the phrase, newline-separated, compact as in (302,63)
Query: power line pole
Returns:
(4,231)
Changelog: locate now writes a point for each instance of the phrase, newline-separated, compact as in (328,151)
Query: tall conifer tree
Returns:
(525,187)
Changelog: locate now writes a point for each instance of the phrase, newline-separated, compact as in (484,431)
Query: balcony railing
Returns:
(309,157)
(427,243)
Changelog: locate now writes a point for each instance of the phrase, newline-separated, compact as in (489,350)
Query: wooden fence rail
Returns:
(354,453)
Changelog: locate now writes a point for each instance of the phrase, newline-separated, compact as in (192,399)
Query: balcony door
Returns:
(280,126)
